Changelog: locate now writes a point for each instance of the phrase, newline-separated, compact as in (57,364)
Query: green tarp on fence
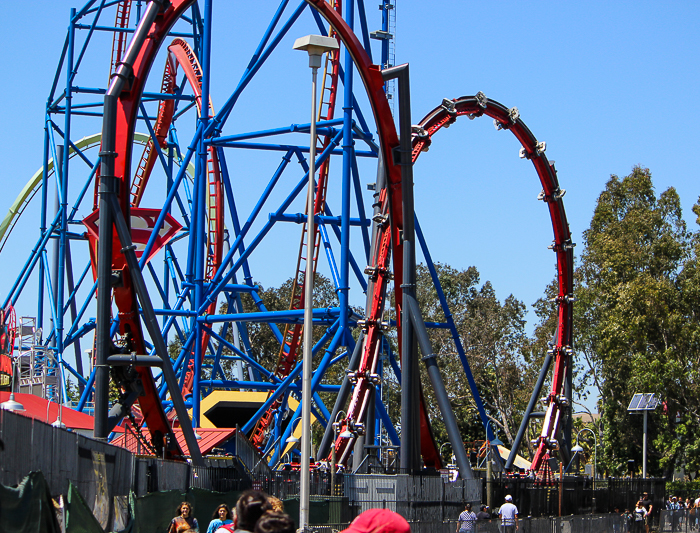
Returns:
(78,516)
(28,508)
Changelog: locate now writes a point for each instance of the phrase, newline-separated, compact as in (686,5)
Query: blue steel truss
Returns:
(59,262)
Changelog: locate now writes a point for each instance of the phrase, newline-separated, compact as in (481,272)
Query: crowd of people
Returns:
(507,516)
(681,509)
(257,512)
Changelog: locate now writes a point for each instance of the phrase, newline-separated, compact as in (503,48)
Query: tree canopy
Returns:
(636,325)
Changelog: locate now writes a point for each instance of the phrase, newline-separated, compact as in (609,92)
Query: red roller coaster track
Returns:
(124,296)
(509,119)
(444,115)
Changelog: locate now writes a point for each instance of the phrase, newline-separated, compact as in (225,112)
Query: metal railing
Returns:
(605,523)
(679,521)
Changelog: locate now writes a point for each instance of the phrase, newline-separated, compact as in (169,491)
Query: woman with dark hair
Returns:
(274,522)
(250,507)
(221,517)
(184,521)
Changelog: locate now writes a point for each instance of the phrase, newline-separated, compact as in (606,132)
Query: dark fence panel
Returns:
(577,495)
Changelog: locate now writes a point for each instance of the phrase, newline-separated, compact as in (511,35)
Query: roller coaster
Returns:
(171,279)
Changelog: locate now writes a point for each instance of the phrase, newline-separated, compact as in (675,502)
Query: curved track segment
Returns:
(124,295)
(552,194)
(388,241)
(444,115)
(180,55)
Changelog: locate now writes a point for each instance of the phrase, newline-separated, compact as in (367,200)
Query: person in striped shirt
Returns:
(466,519)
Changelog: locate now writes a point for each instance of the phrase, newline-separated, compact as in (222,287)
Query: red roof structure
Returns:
(46,411)
(210,438)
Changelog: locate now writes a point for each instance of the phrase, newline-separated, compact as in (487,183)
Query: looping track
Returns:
(552,194)
(507,119)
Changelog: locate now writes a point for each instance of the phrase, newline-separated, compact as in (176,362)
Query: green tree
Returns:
(493,336)
(633,317)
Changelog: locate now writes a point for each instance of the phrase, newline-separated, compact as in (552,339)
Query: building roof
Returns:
(46,411)
(586,418)
(210,438)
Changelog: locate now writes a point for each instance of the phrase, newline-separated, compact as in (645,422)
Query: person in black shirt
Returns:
(649,506)
(483,513)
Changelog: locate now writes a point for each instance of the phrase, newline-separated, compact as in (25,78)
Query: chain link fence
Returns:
(603,523)
(679,521)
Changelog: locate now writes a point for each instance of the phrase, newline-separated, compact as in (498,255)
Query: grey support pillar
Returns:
(410,376)
(448,416)
(528,412)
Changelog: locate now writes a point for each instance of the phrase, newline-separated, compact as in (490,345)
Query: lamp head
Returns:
(11,404)
(316,46)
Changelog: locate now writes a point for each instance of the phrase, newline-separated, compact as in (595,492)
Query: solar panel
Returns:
(653,403)
(643,402)
(634,404)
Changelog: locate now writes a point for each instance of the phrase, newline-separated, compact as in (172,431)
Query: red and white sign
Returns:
(143,220)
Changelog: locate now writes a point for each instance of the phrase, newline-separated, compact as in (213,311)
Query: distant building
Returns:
(587,418)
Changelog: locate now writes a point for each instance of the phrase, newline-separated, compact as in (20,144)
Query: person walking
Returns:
(483,513)
(184,521)
(508,513)
(466,519)
(221,517)
(640,514)
(648,505)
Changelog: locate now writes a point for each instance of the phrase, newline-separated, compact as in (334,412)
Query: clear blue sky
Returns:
(608,85)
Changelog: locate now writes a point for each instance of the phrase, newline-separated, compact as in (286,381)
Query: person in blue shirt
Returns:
(221,517)
(509,516)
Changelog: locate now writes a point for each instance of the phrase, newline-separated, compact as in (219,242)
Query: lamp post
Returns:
(12,404)
(579,449)
(441,446)
(316,46)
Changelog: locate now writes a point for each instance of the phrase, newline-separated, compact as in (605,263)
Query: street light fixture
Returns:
(315,46)
(442,445)
(292,439)
(579,449)
(493,443)
(12,404)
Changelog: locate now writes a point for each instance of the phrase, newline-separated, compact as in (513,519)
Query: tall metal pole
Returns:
(644,447)
(63,178)
(530,406)
(200,223)
(308,316)
(315,45)
(109,187)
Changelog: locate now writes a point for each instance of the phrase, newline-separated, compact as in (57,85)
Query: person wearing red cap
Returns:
(378,521)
